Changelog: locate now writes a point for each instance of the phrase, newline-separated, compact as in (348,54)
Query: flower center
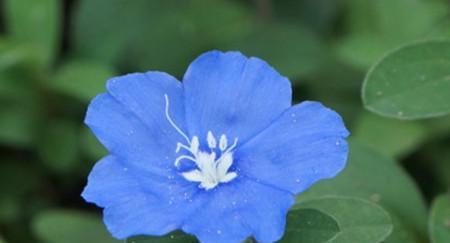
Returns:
(212,165)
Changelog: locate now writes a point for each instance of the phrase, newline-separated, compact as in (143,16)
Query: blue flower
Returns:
(221,155)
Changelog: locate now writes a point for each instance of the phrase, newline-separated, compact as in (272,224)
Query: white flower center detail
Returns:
(213,165)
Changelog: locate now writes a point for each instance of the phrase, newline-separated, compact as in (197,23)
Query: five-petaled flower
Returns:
(221,155)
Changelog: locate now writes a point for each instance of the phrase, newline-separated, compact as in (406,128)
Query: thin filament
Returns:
(177,161)
(171,121)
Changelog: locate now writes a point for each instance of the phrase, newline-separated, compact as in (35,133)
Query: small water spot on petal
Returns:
(219,232)
(171,200)
(297,180)
(125,169)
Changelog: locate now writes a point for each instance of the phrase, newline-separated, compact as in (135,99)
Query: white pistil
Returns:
(166,97)
(210,170)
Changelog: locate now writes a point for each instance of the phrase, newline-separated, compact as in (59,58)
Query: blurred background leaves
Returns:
(55,56)
(70,226)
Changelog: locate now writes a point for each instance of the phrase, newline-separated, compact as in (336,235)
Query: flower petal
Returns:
(306,144)
(142,214)
(228,93)
(235,211)
(143,95)
(137,204)
(266,212)
(108,181)
(131,122)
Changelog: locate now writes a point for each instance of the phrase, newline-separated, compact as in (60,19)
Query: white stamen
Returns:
(232,146)
(177,161)
(228,177)
(223,164)
(223,142)
(211,140)
(180,146)
(210,170)
(171,121)
(194,175)
(195,144)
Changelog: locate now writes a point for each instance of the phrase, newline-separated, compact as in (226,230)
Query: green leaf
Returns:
(389,136)
(441,30)
(18,181)
(18,124)
(439,223)
(360,51)
(17,72)
(411,82)
(155,34)
(36,24)
(370,175)
(309,225)
(21,108)
(70,226)
(371,224)
(10,208)
(81,79)
(375,27)
(174,237)
(304,225)
(292,50)
(13,53)
(58,146)
(319,15)
(14,86)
